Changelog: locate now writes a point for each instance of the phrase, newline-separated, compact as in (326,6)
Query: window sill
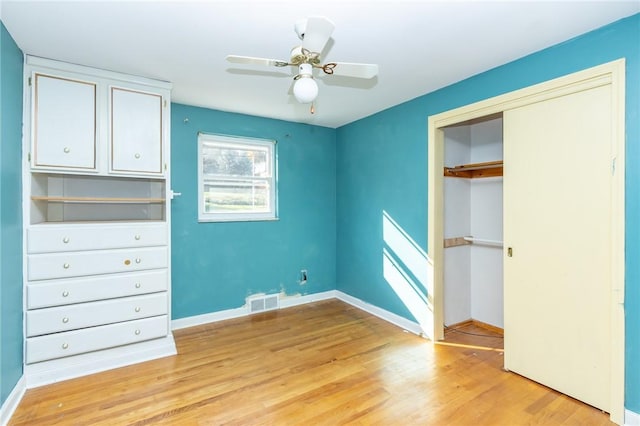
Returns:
(238,219)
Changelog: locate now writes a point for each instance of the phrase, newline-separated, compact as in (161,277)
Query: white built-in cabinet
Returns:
(97,220)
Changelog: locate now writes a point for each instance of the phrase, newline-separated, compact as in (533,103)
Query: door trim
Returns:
(612,73)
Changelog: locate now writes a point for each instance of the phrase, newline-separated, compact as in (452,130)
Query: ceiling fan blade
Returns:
(317,33)
(235,59)
(348,69)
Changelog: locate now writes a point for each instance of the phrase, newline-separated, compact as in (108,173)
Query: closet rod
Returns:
(484,241)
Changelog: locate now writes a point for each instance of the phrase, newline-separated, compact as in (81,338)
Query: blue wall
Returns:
(10,214)
(215,266)
(381,166)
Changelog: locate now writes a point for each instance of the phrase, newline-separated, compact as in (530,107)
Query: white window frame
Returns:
(227,141)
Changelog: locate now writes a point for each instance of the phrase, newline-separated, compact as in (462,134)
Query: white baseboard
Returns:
(186,322)
(289,301)
(47,372)
(12,401)
(285,302)
(394,319)
(631,418)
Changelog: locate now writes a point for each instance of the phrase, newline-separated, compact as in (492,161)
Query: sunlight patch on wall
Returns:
(409,272)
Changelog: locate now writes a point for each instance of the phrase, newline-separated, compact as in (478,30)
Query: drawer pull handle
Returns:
(65,293)
(67,150)
(137,308)
(137,155)
(65,320)
(137,332)
(137,237)
(138,260)
(137,285)
(127,262)
(65,345)
(66,266)
(65,240)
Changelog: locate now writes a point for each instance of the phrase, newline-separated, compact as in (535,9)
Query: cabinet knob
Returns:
(137,332)
(65,345)
(137,155)
(127,262)
(65,293)
(137,309)
(138,260)
(137,285)
(65,320)
(66,266)
(65,240)
(67,150)
(137,237)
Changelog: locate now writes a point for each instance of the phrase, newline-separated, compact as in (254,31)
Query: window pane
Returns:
(236,196)
(232,161)
(236,178)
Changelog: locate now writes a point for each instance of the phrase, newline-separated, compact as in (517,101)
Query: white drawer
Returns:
(55,238)
(43,294)
(78,264)
(83,315)
(76,342)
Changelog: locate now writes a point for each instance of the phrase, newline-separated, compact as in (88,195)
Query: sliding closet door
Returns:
(558,236)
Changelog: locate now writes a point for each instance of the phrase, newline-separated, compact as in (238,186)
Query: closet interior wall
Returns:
(473,273)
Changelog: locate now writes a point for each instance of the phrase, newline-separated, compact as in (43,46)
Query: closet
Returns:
(562,196)
(473,278)
(96,189)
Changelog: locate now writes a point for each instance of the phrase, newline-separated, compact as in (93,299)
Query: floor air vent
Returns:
(263,302)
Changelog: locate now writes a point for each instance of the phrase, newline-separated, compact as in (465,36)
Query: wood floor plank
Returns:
(325,363)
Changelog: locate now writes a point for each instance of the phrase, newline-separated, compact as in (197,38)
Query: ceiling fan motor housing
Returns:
(304,70)
(300,55)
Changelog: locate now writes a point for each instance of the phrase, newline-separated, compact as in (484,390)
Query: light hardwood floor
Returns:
(322,363)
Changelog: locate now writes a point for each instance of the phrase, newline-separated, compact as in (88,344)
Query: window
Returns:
(236,178)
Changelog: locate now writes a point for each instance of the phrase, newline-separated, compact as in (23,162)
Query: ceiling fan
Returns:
(314,32)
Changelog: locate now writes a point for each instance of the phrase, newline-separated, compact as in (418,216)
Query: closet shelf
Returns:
(106,200)
(475,170)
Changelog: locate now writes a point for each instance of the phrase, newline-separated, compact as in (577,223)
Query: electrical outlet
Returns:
(303,276)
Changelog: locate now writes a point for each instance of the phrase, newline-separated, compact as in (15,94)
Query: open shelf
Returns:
(79,198)
(475,170)
(108,200)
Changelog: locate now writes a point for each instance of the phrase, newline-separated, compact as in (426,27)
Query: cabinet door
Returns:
(64,123)
(136,131)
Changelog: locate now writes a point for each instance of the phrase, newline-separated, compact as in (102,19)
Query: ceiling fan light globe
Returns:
(305,89)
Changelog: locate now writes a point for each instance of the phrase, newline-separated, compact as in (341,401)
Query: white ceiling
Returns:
(420,46)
